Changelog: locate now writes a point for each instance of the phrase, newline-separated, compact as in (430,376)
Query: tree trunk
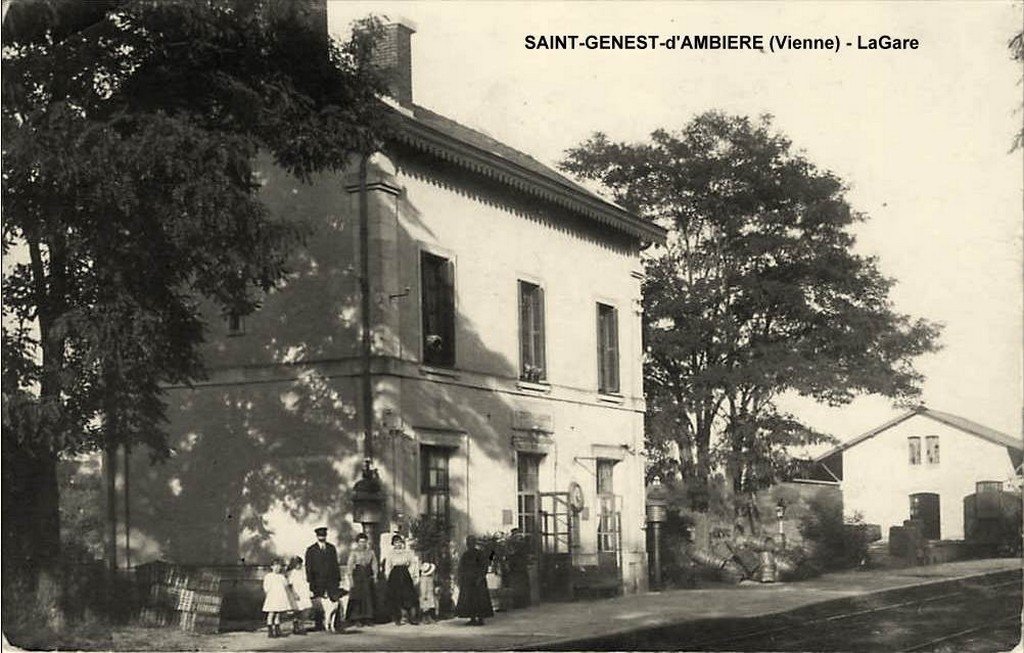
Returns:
(31,524)
(703,466)
(110,476)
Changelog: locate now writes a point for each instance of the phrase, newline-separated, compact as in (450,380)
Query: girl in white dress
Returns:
(275,590)
(300,595)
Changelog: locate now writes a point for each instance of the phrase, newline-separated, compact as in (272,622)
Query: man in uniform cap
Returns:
(324,576)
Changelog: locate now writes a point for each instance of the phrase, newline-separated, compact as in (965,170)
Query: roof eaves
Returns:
(869,434)
(954,421)
(969,426)
(448,148)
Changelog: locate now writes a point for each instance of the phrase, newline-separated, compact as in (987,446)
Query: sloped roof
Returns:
(957,422)
(440,136)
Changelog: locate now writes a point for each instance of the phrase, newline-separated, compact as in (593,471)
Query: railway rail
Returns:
(800,629)
(972,614)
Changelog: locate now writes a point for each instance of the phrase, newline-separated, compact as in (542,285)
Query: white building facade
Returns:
(922,464)
(505,366)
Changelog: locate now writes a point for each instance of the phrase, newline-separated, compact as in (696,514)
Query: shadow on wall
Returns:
(277,429)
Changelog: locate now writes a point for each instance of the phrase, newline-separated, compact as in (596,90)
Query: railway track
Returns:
(974,614)
(799,634)
(953,638)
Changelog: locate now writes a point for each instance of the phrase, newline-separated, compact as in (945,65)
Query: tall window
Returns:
(608,518)
(528,486)
(932,449)
(607,348)
(434,479)
(531,332)
(437,277)
(914,447)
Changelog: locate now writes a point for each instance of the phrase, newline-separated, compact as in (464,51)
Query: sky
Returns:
(922,137)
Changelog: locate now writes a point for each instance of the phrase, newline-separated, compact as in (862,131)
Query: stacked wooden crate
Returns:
(180,596)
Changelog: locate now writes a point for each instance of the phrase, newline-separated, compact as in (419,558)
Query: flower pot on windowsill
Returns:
(531,374)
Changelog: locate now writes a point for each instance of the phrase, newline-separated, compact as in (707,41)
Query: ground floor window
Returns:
(528,491)
(435,485)
(608,517)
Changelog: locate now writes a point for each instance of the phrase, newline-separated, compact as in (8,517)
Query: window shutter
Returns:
(613,349)
(448,281)
(601,359)
(538,344)
(428,298)
(524,329)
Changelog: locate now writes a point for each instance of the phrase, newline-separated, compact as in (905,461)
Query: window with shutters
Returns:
(434,479)
(932,449)
(437,294)
(914,447)
(607,348)
(531,332)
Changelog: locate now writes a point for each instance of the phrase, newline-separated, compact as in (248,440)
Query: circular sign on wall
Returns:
(575,497)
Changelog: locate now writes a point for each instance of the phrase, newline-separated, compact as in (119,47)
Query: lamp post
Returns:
(780,513)
(656,515)
(368,502)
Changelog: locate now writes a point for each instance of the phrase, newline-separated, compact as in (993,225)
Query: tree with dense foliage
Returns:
(757,293)
(131,131)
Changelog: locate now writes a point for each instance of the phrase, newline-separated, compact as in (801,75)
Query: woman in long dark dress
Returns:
(402,594)
(474,599)
(362,565)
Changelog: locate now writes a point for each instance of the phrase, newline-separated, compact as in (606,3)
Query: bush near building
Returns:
(724,543)
(834,543)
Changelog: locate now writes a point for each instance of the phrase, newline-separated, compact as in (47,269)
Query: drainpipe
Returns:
(367,493)
(364,293)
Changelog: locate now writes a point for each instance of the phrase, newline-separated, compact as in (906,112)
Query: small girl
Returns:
(300,595)
(428,594)
(275,589)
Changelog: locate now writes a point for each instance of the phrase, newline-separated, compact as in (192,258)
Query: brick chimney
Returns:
(394,56)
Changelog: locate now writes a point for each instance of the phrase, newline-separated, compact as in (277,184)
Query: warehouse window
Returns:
(914,445)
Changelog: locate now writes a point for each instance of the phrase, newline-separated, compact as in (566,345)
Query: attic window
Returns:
(914,448)
(932,448)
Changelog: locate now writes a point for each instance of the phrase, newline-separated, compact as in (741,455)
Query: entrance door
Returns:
(556,528)
(924,508)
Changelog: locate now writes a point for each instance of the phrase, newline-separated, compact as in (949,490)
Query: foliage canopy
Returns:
(131,135)
(757,293)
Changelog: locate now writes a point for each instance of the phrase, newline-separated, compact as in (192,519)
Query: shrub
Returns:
(833,543)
